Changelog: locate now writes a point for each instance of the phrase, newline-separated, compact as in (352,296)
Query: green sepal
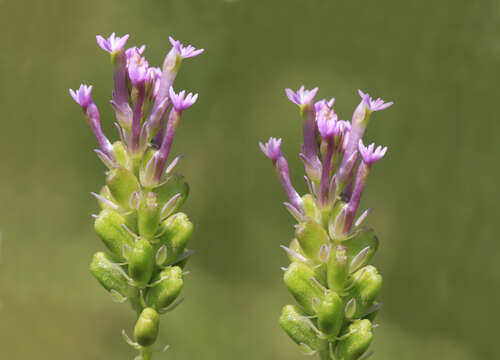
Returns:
(336,231)
(120,154)
(122,183)
(108,226)
(331,315)
(163,294)
(311,237)
(146,327)
(360,240)
(366,286)
(320,274)
(148,215)
(300,328)
(298,280)
(175,234)
(338,268)
(108,273)
(310,208)
(183,262)
(141,262)
(174,185)
(354,345)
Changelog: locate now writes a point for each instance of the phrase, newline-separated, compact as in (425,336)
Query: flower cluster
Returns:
(329,275)
(139,223)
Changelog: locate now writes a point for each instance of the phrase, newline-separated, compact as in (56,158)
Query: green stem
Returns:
(324,350)
(146,354)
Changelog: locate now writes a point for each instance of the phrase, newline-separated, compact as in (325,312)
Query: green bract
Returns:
(299,281)
(146,328)
(141,262)
(109,227)
(359,338)
(298,326)
(169,286)
(109,274)
(175,233)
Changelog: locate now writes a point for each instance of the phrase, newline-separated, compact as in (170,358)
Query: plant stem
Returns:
(324,350)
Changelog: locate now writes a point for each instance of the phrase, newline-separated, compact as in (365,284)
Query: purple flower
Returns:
(131,51)
(137,69)
(327,128)
(322,104)
(153,77)
(302,96)
(180,102)
(271,149)
(370,154)
(374,105)
(82,95)
(184,51)
(113,43)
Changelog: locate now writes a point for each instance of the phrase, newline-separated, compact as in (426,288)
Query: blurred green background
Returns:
(435,194)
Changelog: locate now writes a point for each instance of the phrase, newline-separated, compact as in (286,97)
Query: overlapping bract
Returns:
(329,276)
(140,223)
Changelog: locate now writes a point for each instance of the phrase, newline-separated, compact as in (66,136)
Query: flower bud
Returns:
(141,262)
(122,183)
(365,288)
(146,328)
(331,315)
(108,226)
(311,237)
(120,153)
(175,185)
(109,274)
(163,294)
(298,280)
(338,268)
(352,347)
(357,243)
(148,215)
(298,326)
(175,234)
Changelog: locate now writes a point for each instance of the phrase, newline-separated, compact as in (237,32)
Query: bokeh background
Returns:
(435,194)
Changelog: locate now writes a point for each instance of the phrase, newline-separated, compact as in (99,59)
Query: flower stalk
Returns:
(140,224)
(329,275)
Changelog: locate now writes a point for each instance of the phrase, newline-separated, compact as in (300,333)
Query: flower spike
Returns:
(140,223)
(184,51)
(112,43)
(329,275)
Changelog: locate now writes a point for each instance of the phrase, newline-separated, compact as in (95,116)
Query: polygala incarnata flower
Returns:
(140,223)
(184,51)
(329,275)
(112,43)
